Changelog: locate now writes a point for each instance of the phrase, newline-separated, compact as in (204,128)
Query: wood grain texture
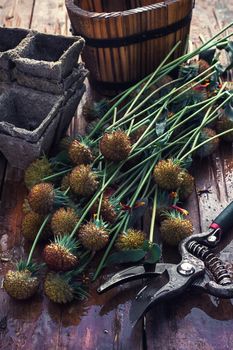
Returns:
(115,19)
(16,13)
(191,321)
(50,17)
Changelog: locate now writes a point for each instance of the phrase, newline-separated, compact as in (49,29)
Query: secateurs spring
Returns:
(199,269)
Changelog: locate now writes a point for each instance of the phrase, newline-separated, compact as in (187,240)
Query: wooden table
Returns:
(194,322)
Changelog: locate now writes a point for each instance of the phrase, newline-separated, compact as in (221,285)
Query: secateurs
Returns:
(199,268)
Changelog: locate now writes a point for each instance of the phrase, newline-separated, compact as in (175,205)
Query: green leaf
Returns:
(125,256)
(146,245)
(188,72)
(153,255)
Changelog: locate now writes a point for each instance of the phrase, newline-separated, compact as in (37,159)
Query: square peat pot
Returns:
(10,40)
(31,121)
(51,57)
(78,74)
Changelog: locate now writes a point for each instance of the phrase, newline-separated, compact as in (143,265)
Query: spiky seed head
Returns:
(108,210)
(175,228)
(63,221)
(65,183)
(187,186)
(41,198)
(80,153)
(31,224)
(115,146)
(131,239)
(60,255)
(210,147)
(37,170)
(65,142)
(168,174)
(224,124)
(83,181)
(93,236)
(20,285)
(58,288)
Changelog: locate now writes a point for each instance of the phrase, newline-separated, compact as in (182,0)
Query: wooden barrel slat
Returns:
(127,62)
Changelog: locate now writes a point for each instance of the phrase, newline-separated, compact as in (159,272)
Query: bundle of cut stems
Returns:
(164,131)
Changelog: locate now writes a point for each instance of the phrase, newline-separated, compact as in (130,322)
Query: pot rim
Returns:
(103,15)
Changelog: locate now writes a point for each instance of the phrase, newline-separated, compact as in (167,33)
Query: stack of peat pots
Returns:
(41,85)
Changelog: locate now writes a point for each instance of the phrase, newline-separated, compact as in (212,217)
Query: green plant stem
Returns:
(126,223)
(204,142)
(37,238)
(207,45)
(196,133)
(124,95)
(152,225)
(130,127)
(114,115)
(97,159)
(150,95)
(123,222)
(185,57)
(131,184)
(66,191)
(150,125)
(165,70)
(153,155)
(173,128)
(82,267)
(175,91)
(151,78)
(151,191)
(94,198)
(147,98)
(170,131)
(124,185)
(84,254)
(146,190)
(107,251)
(56,175)
(164,98)
(101,196)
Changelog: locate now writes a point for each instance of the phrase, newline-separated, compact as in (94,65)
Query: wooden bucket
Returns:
(127,39)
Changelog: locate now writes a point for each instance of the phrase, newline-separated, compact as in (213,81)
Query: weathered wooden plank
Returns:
(16,13)
(50,17)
